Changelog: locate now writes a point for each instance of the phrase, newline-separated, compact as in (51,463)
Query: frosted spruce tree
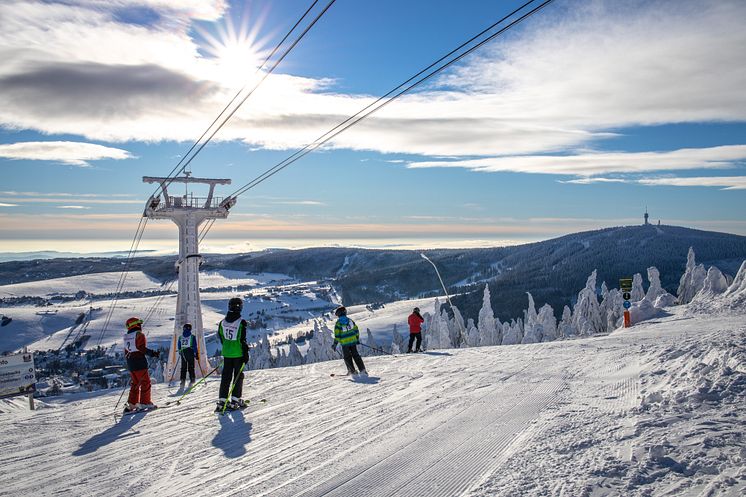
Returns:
(472,334)
(587,314)
(637,293)
(692,280)
(566,328)
(512,332)
(488,333)
(548,323)
(532,330)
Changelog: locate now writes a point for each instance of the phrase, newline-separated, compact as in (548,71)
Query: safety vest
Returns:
(346,334)
(185,342)
(230,332)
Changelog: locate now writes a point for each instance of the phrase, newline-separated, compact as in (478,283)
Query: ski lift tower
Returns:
(188,212)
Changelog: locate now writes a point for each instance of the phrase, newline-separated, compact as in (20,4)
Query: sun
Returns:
(234,48)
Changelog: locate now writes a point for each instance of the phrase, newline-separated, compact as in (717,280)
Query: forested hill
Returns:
(552,270)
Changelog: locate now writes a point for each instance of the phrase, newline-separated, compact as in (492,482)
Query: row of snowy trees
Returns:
(587,317)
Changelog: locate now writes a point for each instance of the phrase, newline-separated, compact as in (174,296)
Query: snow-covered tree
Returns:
(548,323)
(488,333)
(397,341)
(472,334)
(260,356)
(295,358)
(715,283)
(692,280)
(532,330)
(637,293)
(566,328)
(512,332)
(587,314)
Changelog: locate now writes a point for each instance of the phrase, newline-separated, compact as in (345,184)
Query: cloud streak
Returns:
(66,152)
(596,163)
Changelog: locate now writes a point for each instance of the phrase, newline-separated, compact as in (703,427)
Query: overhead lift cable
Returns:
(199,144)
(395,93)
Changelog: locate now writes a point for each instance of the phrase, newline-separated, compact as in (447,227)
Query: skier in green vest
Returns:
(232,336)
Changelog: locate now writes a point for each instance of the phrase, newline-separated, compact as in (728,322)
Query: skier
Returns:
(415,321)
(135,350)
(347,334)
(188,352)
(232,336)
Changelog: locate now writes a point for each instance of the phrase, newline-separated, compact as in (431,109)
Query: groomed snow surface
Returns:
(656,410)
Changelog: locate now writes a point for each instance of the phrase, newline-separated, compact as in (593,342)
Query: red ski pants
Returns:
(140,389)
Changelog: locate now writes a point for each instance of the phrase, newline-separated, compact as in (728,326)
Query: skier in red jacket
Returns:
(415,329)
(135,350)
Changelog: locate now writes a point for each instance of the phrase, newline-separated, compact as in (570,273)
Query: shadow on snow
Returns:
(234,434)
(117,431)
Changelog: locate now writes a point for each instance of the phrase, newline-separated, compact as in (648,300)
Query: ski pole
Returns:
(173,373)
(377,350)
(230,392)
(120,397)
(195,385)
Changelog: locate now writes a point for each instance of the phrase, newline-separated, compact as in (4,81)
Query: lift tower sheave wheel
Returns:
(188,213)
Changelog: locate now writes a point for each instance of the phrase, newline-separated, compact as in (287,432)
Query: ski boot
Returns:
(128,408)
(220,406)
(237,403)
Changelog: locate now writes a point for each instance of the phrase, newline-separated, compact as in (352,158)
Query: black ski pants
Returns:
(232,371)
(187,363)
(412,338)
(350,353)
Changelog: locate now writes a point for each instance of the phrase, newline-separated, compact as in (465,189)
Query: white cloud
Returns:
(726,182)
(594,163)
(640,63)
(8,205)
(72,207)
(73,153)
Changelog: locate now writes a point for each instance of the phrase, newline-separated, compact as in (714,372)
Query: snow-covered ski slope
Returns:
(657,410)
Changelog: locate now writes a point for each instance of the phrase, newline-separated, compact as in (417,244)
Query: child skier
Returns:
(188,352)
(135,350)
(232,336)
(347,334)
(415,321)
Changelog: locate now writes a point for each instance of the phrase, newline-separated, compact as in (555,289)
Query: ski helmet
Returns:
(341,311)
(235,304)
(134,324)
(187,327)
(417,310)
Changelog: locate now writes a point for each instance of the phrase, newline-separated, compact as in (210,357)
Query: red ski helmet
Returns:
(134,324)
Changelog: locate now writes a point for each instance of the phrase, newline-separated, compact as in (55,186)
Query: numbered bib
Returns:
(230,330)
(129,343)
(185,342)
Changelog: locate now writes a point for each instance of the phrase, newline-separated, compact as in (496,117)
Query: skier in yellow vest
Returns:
(347,334)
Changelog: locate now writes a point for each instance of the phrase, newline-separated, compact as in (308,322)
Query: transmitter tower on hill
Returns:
(188,212)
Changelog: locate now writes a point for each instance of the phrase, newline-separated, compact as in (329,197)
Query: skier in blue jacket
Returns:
(189,353)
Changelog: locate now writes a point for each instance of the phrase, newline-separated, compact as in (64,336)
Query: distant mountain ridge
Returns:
(552,270)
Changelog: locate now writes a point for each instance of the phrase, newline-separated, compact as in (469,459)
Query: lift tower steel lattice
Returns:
(188,212)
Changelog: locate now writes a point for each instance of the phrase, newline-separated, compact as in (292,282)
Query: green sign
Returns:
(625,284)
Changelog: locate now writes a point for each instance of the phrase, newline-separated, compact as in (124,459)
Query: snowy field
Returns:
(96,283)
(278,296)
(656,410)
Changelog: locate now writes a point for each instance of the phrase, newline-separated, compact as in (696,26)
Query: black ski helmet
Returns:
(417,310)
(341,311)
(235,304)
(187,327)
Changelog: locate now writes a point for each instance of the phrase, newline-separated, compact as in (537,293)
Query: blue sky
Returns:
(577,119)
